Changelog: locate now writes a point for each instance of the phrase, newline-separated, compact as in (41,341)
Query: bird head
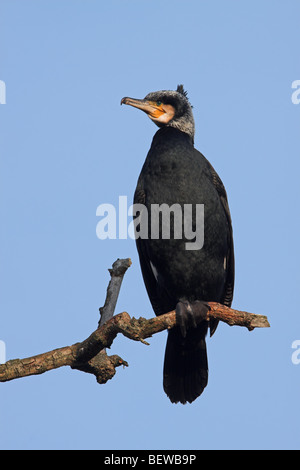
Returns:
(167,108)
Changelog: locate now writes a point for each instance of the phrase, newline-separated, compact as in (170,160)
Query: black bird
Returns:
(175,277)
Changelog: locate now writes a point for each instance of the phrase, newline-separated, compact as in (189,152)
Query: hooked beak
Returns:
(149,107)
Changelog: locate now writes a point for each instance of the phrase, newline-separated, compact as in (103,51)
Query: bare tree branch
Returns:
(90,356)
(117,273)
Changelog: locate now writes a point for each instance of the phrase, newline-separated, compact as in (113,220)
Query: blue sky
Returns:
(67,146)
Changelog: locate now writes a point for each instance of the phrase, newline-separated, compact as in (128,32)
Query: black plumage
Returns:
(175,172)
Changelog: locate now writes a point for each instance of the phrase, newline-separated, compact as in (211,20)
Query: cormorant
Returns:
(175,277)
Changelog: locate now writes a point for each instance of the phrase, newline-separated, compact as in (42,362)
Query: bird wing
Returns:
(160,300)
(229,285)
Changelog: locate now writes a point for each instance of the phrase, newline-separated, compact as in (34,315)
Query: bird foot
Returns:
(190,314)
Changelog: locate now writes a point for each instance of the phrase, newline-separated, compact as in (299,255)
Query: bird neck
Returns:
(168,133)
(185,125)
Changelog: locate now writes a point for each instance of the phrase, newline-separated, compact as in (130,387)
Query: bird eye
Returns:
(158,103)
